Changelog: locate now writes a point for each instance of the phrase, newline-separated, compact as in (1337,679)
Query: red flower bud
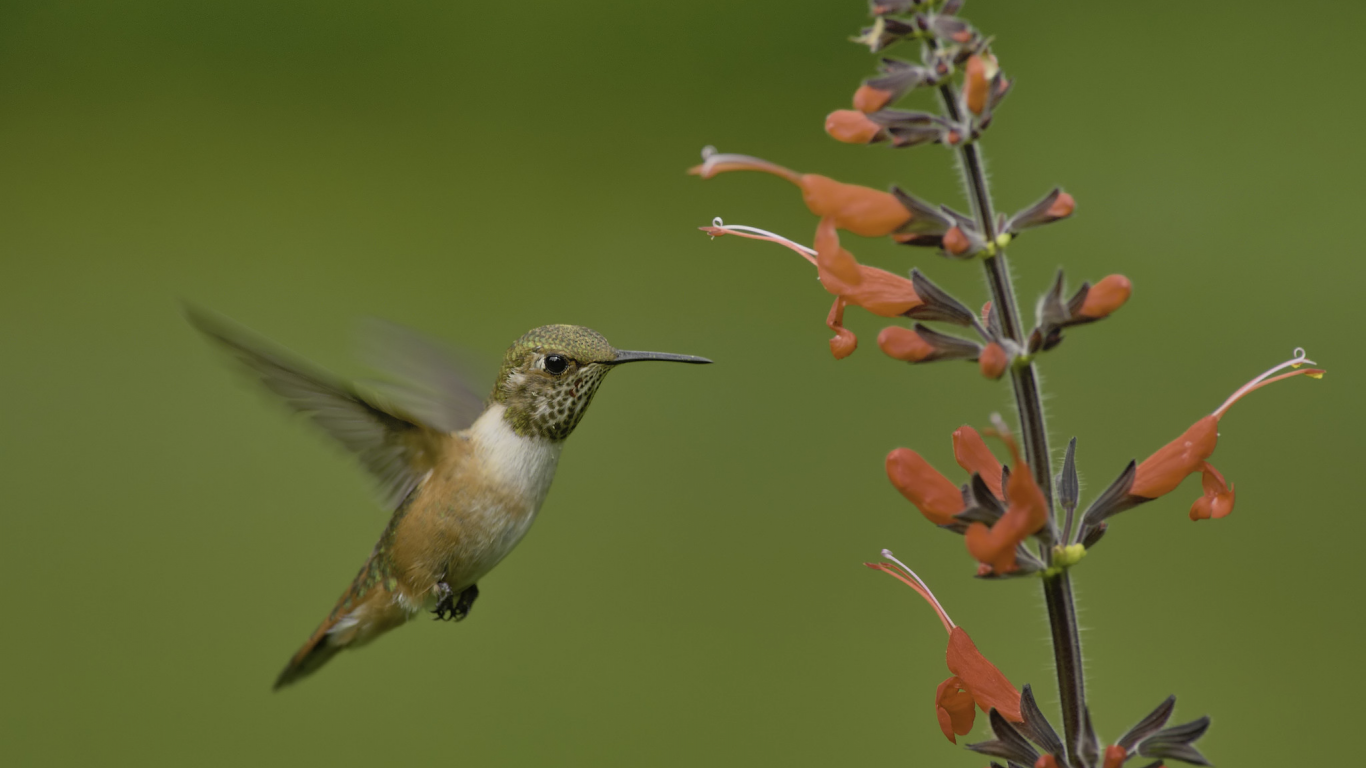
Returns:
(993,361)
(1046,761)
(870,99)
(852,127)
(922,485)
(904,344)
(1115,755)
(1105,297)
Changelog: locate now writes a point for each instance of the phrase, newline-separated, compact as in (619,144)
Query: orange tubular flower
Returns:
(861,210)
(1160,473)
(853,127)
(1105,297)
(922,485)
(982,682)
(876,290)
(1025,516)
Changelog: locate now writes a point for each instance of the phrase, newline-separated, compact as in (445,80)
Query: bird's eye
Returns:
(555,364)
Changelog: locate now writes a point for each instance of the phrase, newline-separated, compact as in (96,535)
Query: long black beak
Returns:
(626,356)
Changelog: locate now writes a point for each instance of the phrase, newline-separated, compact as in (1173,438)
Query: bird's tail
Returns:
(366,611)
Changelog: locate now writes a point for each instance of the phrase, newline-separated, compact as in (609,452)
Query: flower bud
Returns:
(956,241)
(861,210)
(1105,297)
(993,361)
(870,99)
(904,344)
(977,85)
(852,127)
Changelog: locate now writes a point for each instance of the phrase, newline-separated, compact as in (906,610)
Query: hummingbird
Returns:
(463,477)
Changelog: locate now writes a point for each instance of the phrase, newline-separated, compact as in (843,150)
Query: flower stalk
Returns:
(1024,382)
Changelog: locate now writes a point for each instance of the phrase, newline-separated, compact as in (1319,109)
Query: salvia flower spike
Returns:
(999,508)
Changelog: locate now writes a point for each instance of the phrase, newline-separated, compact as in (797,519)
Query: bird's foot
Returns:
(452,606)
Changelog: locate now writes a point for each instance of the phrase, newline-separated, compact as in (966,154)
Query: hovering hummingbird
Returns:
(464,479)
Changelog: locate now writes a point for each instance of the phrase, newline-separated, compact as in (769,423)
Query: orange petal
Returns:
(870,99)
(861,210)
(988,687)
(851,127)
(876,290)
(955,708)
(904,344)
(992,546)
(973,455)
(1106,296)
(1161,472)
(993,361)
(922,485)
(845,342)
(1115,755)
(1218,499)
(1025,515)
(836,267)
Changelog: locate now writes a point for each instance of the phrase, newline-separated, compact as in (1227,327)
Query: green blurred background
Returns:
(692,593)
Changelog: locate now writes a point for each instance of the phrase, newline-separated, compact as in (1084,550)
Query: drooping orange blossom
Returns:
(973,676)
(1162,472)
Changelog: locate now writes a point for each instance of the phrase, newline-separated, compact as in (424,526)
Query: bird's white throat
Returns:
(524,464)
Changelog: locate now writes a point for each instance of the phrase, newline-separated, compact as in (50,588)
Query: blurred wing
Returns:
(424,377)
(398,450)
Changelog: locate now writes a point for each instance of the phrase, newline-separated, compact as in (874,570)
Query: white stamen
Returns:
(887,553)
(716,222)
(1294,362)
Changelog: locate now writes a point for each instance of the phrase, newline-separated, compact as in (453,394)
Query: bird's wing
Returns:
(398,449)
(423,376)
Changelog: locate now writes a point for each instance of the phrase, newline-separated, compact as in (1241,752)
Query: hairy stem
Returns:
(1062,612)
